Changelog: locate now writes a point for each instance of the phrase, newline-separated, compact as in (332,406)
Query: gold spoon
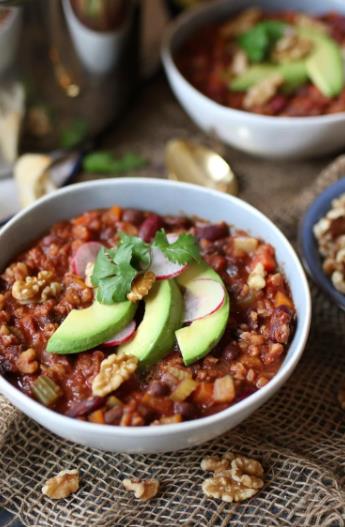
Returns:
(192,163)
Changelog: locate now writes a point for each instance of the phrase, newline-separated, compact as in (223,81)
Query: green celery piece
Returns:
(46,390)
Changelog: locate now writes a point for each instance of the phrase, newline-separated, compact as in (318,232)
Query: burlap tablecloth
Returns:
(299,436)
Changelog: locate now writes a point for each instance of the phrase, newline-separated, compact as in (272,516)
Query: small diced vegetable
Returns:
(178,373)
(224,389)
(282,300)
(97,417)
(46,390)
(245,243)
(203,393)
(183,390)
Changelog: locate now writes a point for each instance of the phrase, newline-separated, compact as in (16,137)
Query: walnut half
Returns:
(143,489)
(62,485)
(114,370)
(141,286)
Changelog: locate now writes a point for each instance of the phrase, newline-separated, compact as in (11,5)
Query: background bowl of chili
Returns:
(161,196)
(261,135)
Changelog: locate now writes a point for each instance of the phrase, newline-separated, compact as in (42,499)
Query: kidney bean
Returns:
(114,414)
(136,217)
(212,232)
(186,410)
(80,408)
(158,388)
(150,226)
(177,222)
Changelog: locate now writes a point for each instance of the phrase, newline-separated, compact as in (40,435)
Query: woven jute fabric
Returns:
(299,436)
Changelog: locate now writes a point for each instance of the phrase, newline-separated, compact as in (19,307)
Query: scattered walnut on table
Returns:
(141,286)
(236,478)
(263,91)
(143,489)
(27,363)
(114,370)
(62,485)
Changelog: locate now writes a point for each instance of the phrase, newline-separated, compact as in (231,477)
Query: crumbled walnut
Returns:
(216,463)
(248,472)
(290,47)
(263,91)
(141,285)
(88,273)
(241,23)
(239,63)
(256,279)
(143,489)
(16,271)
(341,396)
(36,288)
(62,485)
(26,362)
(309,22)
(222,486)
(114,370)
(240,479)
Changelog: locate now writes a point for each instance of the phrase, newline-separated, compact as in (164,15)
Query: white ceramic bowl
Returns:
(165,197)
(272,137)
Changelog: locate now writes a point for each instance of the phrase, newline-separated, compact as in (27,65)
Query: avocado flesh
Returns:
(325,64)
(83,329)
(294,74)
(155,335)
(196,340)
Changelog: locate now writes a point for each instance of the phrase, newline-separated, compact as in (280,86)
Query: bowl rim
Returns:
(307,243)
(281,376)
(184,19)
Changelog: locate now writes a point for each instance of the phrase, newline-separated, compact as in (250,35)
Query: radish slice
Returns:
(122,336)
(202,297)
(161,266)
(87,253)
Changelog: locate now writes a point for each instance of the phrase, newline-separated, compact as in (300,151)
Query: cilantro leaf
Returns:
(106,163)
(141,252)
(103,268)
(258,41)
(184,250)
(116,288)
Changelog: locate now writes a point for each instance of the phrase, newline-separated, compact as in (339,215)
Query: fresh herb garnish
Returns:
(116,268)
(184,250)
(258,41)
(106,163)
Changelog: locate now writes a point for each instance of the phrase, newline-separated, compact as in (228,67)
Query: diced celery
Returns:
(183,390)
(46,390)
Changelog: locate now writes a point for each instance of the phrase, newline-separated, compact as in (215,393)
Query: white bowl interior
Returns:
(166,198)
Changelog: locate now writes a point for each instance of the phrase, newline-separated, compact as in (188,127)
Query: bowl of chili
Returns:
(163,394)
(297,120)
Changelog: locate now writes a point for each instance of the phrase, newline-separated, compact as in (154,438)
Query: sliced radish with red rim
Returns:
(202,297)
(87,253)
(122,336)
(161,266)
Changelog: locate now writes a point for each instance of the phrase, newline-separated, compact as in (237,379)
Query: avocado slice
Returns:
(197,340)
(83,329)
(155,335)
(294,73)
(325,64)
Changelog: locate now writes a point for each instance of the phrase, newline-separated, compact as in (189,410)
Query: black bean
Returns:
(80,408)
(158,388)
(186,410)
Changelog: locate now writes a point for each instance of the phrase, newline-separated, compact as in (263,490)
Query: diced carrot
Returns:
(128,228)
(161,405)
(81,220)
(282,300)
(117,212)
(203,393)
(97,417)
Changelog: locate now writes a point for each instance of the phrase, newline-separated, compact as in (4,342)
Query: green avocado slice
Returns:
(294,74)
(196,340)
(83,329)
(325,65)
(155,335)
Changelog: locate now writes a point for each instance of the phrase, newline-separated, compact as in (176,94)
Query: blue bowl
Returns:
(308,245)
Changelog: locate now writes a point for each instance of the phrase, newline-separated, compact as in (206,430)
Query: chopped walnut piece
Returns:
(88,273)
(141,285)
(62,485)
(143,489)
(263,91)
(236,478)
(341,396)
(36,288)
(216,463)
(239,64)
(114,370)
(16,271)
(26,362)
(241,23)
(292,46)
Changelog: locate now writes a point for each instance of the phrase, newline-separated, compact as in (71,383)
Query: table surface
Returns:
(154,118)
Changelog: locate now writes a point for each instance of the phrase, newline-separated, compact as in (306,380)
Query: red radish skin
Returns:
(122,336)
(87,253)
(202,298)
(161,266)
